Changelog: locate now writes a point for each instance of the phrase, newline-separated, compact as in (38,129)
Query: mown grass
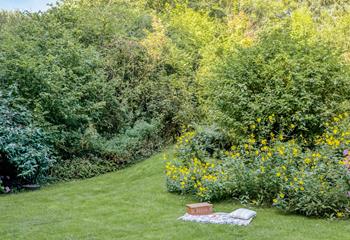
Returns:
(134,204)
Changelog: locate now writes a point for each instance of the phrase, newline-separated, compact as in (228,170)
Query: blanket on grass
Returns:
(216,218)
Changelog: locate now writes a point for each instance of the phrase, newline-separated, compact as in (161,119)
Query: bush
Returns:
(289,175)
(285,78)
(22,145)
(103,155)
(139,141)
(201,142)
(81,168)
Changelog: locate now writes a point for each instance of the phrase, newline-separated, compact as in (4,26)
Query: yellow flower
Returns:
(340,215)
(264,148)
(262,169)
(281,151)
(281,195)
(264,142)
(302,188)
(307,160)
(275,200)
(341,162)
(182,185)
(278,174)
(258,120)
(251,140)
(284,168)
(281,137)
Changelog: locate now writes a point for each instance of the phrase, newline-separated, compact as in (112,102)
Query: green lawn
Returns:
(133,204)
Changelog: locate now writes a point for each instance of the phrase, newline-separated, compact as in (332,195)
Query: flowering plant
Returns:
(289,172)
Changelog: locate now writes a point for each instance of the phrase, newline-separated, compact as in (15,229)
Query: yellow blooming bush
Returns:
(197,169)
(289,172)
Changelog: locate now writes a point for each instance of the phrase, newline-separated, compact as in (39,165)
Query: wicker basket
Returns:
(200,208)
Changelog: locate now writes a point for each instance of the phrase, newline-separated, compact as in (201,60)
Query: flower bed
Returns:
(288,172)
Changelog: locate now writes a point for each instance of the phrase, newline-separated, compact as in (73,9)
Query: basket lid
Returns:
(197,205)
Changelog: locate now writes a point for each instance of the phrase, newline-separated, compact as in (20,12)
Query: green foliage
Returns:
(202,142)
(81,168)
(23,145)
(138,141)
(302,82)
(2,190)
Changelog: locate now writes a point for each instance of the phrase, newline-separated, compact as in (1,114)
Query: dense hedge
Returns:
(286,80)
(108,87)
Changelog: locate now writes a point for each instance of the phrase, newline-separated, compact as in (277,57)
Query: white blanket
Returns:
(216,218)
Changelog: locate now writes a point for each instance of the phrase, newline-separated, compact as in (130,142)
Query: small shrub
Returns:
(81,168)
(202,142)
(136,142)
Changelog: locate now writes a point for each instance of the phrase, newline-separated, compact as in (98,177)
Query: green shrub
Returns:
(24,146)
(81,168)
(102,155)
(139,141)
(201,142)
(283,78)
